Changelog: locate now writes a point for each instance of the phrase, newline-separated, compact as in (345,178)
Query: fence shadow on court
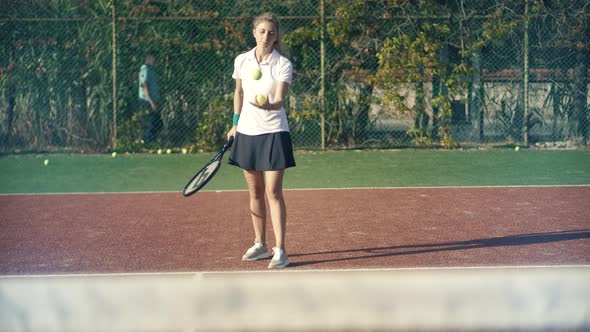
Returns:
(414,249)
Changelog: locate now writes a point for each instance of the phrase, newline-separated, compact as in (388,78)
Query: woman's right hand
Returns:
(232,132)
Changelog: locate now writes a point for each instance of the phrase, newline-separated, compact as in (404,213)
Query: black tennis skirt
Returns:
(266,152)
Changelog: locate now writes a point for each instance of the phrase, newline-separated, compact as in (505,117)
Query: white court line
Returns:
(304,189)
(287,270)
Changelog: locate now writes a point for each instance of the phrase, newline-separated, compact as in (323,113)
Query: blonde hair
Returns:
(272,18)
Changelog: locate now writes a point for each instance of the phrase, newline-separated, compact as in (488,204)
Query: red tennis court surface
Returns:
(327,229)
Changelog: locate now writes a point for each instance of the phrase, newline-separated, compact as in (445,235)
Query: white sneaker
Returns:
(256,252)
(279,260)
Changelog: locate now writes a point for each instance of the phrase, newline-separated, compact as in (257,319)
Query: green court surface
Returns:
(329,169)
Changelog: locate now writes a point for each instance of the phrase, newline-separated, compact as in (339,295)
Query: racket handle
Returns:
(229,142)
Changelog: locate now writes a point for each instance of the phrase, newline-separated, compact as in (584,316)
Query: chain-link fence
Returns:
(366,73)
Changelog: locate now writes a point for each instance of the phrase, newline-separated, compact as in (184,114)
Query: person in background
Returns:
(148,99)
(262,145)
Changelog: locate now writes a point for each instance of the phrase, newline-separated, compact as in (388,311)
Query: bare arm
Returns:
(238,103)
(146,91)
(282,90)
(238,97)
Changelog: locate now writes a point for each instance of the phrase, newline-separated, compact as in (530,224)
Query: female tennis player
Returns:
(262,145)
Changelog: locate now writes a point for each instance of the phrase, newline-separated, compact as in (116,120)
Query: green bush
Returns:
(130,136)
(215,122)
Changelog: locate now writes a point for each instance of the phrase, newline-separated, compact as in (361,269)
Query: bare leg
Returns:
(276,201)
(255,180)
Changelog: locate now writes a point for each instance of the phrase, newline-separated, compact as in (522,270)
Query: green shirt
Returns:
(147,76)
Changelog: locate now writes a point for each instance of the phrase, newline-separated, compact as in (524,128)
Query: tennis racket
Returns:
(206,173)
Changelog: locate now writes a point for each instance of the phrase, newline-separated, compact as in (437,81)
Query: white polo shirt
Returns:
(276,68)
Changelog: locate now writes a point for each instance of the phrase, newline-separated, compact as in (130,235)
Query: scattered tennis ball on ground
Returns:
(184,151)
(159,151)
(168,151)
(114,154)
(256,74)
(46,162)
(517,148)
(260,100)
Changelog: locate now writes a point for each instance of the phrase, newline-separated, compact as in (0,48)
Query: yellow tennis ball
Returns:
(46,162)
(256,74)
(517,148)
(184,151)
(260,100)
(114,154)
(168,151)
(159,151)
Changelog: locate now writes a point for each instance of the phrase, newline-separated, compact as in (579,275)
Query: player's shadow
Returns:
(414,249)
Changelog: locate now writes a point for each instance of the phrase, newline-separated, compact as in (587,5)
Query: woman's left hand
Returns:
(265,106)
